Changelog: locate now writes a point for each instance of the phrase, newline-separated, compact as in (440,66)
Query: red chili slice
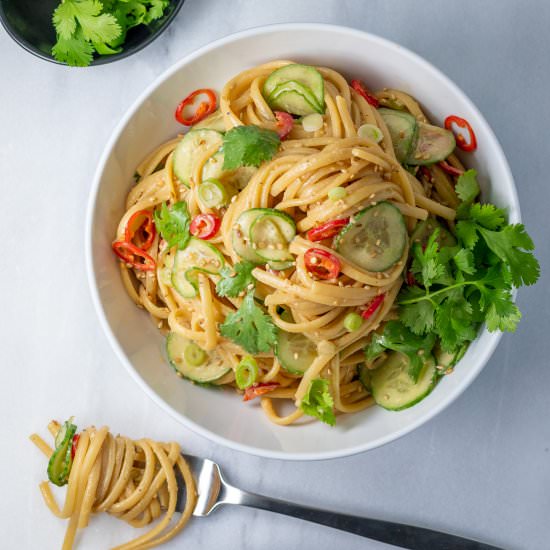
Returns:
(409,278)
(327,230)
(204,108)
(373,306)
(471,144)
(136,257)
(361,89)
(450,169)
(285,123)
(260,388)
(322,264)
(205,226)
(74,445)
(140,229)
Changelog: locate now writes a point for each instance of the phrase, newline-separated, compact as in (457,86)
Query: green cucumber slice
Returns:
(197,256)
(211,365)
(417,142)
(433,145)
(59,465)
(403,129)
(294,98)
(394,389)
(375,239)
(446,360)
(272,232)
(192,145)
(294,351)
(212,122)
(212,193)
(244,246)
(240,235)
(305,75)
(423,231)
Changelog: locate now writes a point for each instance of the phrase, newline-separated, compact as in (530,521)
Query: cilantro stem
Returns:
(430,295)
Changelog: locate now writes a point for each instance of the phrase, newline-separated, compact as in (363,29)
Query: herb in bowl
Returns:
(88,27)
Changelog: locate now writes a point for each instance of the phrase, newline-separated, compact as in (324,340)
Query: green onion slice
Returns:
(247,372)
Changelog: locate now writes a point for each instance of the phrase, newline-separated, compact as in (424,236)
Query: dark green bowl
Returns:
(29,23)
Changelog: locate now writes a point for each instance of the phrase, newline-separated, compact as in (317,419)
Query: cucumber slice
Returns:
(403,129)
(394,389)
(244,245)
(375,239)
(271,232)
(59,465)
(281,266)
(294,351)
(294,98)
(446,360)
(192,362)
(192,145)
(240,235)
(309,77)
(213,194)
(423,231)
(433,144)
(416,142)
(212,122)
(197,256)
(365,376)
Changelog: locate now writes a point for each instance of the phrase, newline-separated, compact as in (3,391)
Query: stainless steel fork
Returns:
(214,491)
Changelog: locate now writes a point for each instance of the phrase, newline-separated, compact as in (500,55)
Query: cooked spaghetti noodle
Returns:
(133,480)
(298,181)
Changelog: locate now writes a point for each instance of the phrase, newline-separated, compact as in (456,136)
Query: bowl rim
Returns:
(484,354)
(102,60)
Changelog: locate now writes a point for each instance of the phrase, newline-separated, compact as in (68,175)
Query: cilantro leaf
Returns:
(507,244)
(464,260)
(318,401)
(397,337)
(75,51)
(87,26)
(236,280)
(249,146)
(250,327)
(467,187)
(454,322)
(502,313)
(173,224)
(466,231)
(487,215)
(426,263)
(417,316)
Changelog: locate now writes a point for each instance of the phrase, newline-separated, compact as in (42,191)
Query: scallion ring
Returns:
(370,131)
(247,372)
(194,355)
(212,193)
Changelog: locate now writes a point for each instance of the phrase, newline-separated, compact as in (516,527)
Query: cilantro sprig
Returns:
(84,27)
(318,401)
(460,287)
(235,280)
(173,224)
(249,146)
(250,327)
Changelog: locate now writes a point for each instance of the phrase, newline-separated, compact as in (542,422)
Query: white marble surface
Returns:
(481,468)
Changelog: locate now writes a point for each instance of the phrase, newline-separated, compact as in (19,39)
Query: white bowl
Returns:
(221,415)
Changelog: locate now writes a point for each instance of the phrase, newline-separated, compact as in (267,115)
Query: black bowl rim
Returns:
(102,60)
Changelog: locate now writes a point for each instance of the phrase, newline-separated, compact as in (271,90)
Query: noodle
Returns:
(133,480)
(297,180)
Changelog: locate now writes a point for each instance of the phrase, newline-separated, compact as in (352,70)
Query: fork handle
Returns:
(398,534)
